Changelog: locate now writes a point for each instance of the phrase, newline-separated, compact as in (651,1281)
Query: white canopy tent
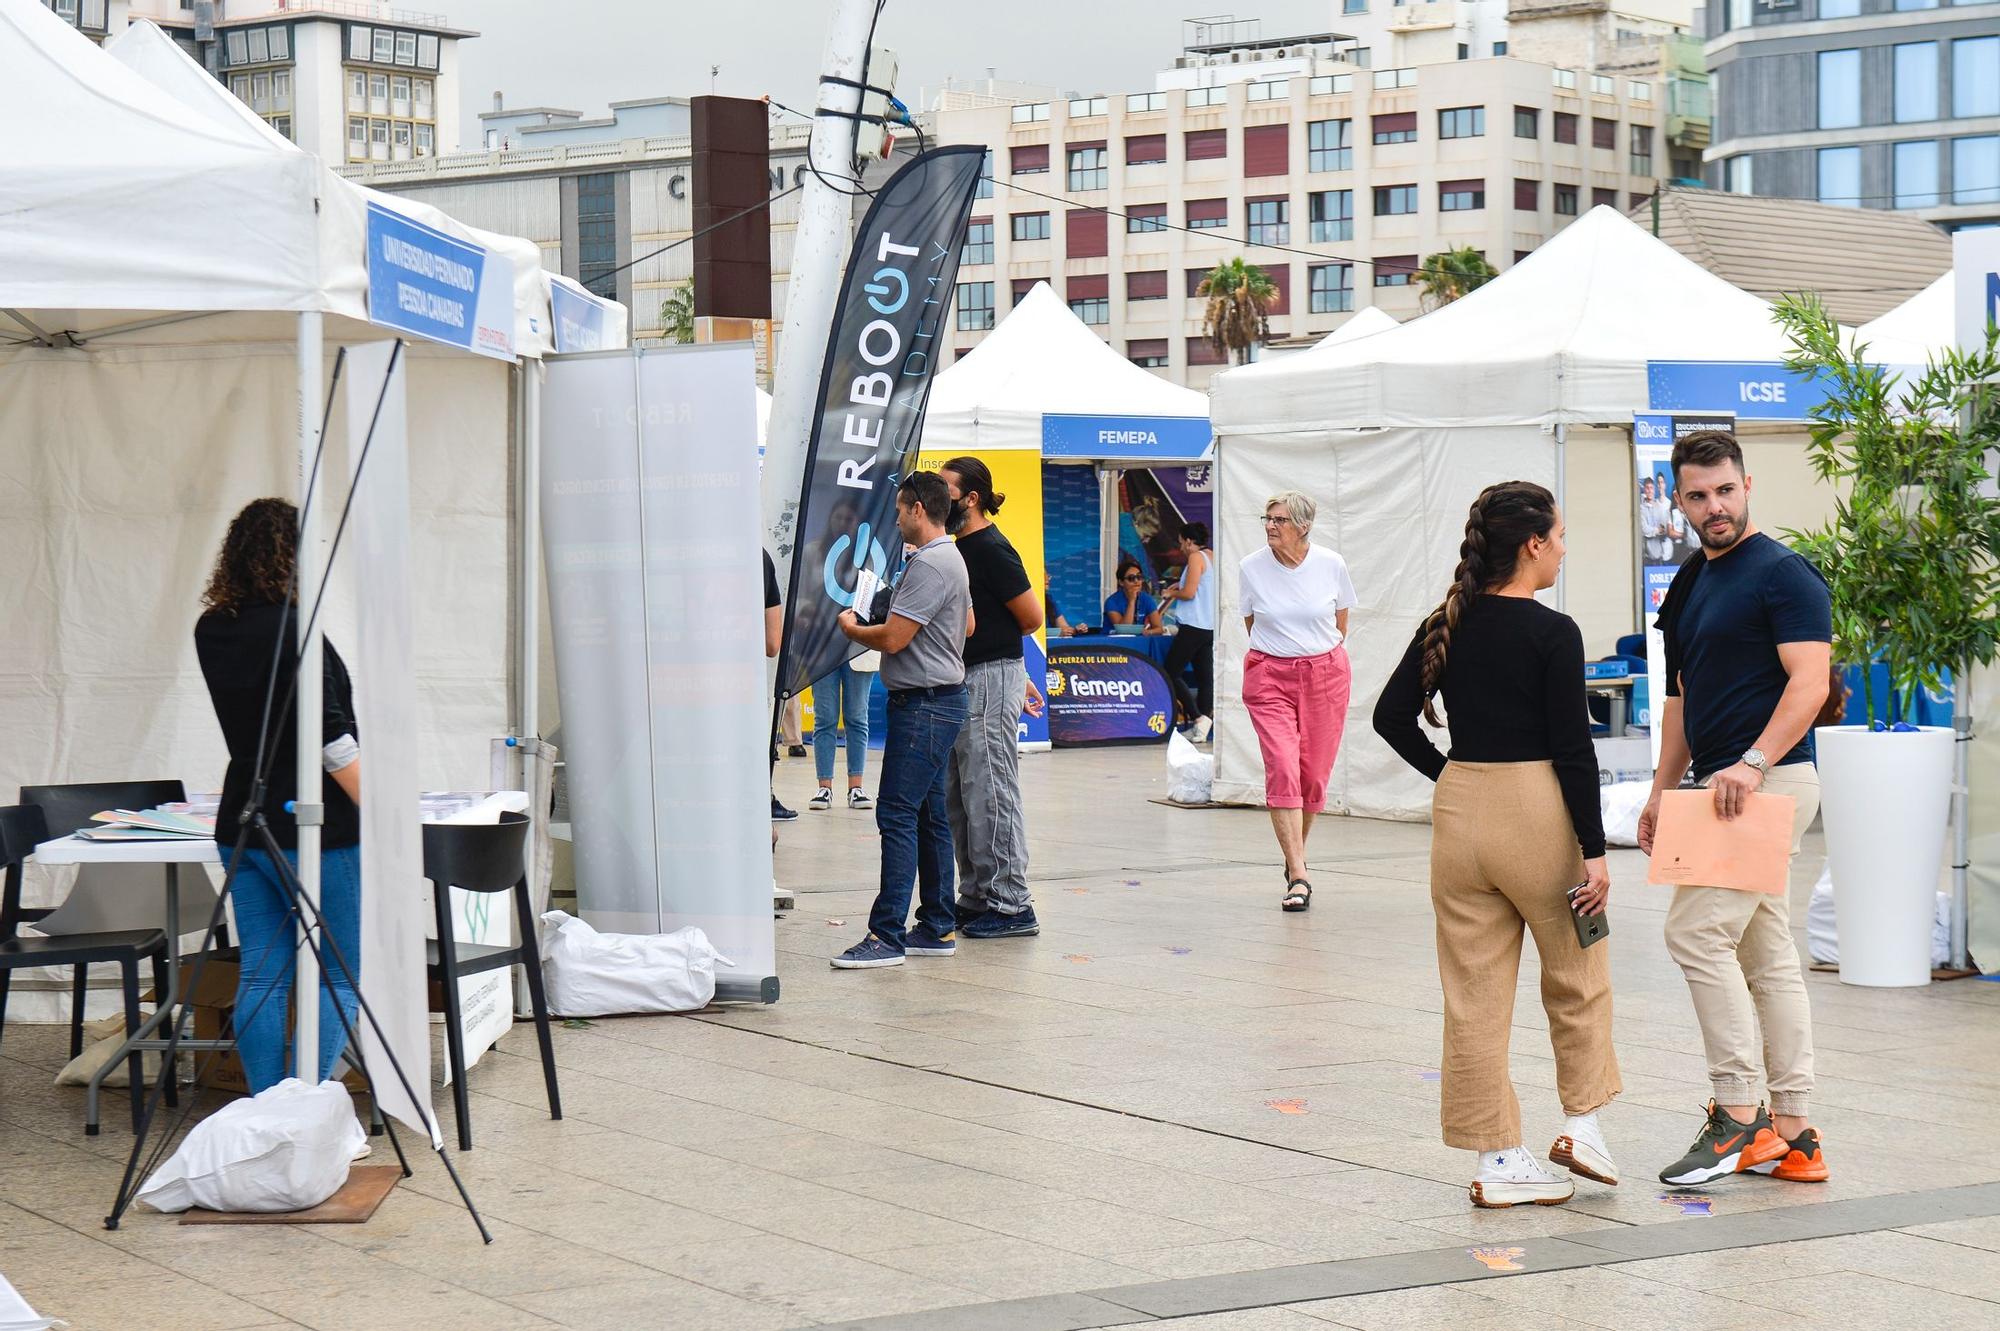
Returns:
(172,279)
(1914,330)
(1395,433)
(1365,323)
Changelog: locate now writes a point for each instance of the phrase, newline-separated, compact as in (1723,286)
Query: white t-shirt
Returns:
(1294,607)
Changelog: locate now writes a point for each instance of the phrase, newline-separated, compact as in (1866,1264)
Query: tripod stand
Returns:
(301,912)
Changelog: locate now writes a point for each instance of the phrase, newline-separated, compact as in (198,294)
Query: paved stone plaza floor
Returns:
(1176,1106)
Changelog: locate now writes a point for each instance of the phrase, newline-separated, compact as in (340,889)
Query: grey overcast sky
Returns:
(584,54)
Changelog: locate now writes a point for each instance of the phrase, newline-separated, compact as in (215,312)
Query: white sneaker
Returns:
(1581,1150)
(1199,731)
(1511,1177)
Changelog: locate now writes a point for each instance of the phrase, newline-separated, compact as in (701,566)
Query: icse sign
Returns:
(1756,390)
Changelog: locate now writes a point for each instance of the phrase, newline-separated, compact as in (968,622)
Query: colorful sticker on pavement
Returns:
(1286,1106)
(1689,1203)
(1498,1259)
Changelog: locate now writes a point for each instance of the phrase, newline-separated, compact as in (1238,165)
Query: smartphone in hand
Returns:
(1589,928)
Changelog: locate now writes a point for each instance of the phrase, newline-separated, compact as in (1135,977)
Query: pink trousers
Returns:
(1298,705)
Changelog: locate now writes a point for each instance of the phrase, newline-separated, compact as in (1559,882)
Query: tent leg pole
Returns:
(306,717)
(1562,502)
(531,562)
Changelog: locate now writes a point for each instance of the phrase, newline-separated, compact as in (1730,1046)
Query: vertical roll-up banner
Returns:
(880,360)
(1665,538)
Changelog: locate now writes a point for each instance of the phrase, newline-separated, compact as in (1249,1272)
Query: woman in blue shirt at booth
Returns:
(1131,603)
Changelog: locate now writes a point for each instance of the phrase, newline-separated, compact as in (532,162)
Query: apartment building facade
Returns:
(1863,103)
(347,80)
(1336,179)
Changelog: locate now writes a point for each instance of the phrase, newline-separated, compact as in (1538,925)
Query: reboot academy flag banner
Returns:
(880,360)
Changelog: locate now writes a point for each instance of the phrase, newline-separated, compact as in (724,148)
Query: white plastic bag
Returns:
(589,974)
(1823,942)
(1190,772)
(1621,805)
(284,1149)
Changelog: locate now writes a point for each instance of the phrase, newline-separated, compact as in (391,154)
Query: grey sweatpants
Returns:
(983,787)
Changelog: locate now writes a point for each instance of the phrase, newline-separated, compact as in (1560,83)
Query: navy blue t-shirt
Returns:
(1722,634)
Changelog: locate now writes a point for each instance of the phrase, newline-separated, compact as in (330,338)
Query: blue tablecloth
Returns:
(1156,645)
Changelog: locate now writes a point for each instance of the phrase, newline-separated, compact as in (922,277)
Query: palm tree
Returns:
(1240,296)
(677,314)
(1449,274)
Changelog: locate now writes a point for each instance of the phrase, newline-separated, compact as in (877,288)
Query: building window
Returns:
(1565,201)
(260,45)
(1917,174)
(597,233)
(378,93)
(978,247)
(1021,286)
(1386,79)
(1396,127)
(1201,351)
(1564,79)
(403,140)
(1736,175)
(1642,150)
(975,305)
(1267,150)
(1330,145)
(1332,288)
(1145,217)
(1086,233)
(357,90)
(67,10)
(1975,77)
(1395,200)
(1604,198)
(1082,108)
(1207,214)
(1904,6)
(1269,90)
(1200,145)
(1089,169)
(1462,122)
(1399,271)
(1148,352)
(1030,113)
(1332,215)
(1461,196)
(1092,309)
(426,140)
(423,89)
(1528,195)
(1839,89)
(385,47)
(1603,133)
(1217,96)
(1640,92)
(360,43)
(1565,127)
(399,94)
(357,138)
(1195,277)
(1327,85)
(427,50)
(378,140)
(282,124)
(1975,170)
(1145,149)
(1145,101)
(1030,159)
(1499,48)
(1527,123)
(1151,285)
(1603,85)
(1354,6)
(406,48)
(1840,176)
(984,190)
(1031,226)
(1916,82)
(1270,221)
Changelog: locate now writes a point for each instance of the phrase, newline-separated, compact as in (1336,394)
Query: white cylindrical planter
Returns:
(1885,798)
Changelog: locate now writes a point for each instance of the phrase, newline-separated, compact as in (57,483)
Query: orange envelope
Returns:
(1694,847)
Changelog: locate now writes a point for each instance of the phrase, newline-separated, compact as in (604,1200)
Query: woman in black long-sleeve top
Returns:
(1515,830)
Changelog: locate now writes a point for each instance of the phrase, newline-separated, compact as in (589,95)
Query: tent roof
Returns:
(111,197)
(1562,337)
(1910,333)
(1043,360)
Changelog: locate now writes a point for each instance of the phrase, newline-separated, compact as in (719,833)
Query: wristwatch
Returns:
(1755,758)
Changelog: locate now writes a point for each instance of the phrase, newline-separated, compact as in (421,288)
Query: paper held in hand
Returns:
(1694,847)
(871,598)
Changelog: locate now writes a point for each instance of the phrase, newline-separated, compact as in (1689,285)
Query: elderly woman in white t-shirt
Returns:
(1296,678)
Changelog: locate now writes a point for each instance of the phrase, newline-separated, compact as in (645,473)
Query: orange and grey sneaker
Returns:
(1802,1163)
(1726,1147)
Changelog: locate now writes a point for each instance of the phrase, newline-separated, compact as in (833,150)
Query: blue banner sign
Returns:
(1754,390)
(581,318)
(1127,438)
(1106,695)
(434,286)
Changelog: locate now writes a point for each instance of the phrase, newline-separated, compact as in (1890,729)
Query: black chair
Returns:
(483,857)
(22,828)
(68,808)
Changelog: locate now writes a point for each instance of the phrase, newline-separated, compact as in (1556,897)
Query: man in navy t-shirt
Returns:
(1748,627)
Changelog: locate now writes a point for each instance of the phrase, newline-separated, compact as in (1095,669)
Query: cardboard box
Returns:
(213,998)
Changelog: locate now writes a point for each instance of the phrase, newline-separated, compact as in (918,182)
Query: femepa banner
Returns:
(880,361)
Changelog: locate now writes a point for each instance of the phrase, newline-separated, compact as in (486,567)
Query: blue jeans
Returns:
(842,690)
(265,929)
(910,813)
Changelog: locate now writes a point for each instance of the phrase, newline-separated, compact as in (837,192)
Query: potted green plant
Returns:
(1910,557)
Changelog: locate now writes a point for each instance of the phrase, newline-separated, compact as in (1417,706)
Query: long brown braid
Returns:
(1499,523)
(255,565)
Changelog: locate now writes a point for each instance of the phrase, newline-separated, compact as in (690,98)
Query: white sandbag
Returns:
(589,974)
(1190,772)
(284,1149)
(1621,804)
(1823,944)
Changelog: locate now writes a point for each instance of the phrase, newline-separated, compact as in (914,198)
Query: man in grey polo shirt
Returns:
(923,670)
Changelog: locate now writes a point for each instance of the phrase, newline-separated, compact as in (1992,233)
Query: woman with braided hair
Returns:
(1516,835)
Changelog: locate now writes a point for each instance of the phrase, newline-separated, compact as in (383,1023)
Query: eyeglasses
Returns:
(1270,521)
(1131,577)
